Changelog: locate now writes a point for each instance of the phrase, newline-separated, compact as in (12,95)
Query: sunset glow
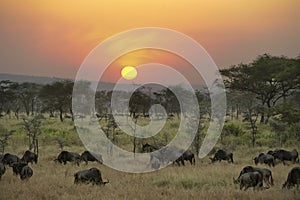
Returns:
(52,38)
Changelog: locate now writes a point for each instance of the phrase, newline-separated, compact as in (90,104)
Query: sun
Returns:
(129,72)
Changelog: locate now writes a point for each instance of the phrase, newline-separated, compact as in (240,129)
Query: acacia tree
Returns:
(6,96)
(27,94)
(4,136)
(269,78)
(57,97)
(32,128)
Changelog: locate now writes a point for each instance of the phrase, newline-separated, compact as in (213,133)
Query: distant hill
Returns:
(31,79)
(43,80)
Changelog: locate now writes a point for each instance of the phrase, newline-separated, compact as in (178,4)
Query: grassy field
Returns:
(202,181)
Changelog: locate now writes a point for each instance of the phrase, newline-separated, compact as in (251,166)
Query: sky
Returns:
(52,38)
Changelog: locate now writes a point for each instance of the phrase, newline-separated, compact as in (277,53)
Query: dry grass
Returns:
(203,181)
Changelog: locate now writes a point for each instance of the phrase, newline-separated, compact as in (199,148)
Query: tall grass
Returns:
(202,181)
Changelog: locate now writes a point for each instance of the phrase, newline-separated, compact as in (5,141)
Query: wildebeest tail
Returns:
(231,157)
(193,160)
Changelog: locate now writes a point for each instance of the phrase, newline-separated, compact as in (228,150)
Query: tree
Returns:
(57,97)
(269,78)
(6,96)
(27,94)
(32,128)
(4,136)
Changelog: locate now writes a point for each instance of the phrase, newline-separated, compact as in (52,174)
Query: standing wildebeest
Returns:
(283,155)
(26,173)
(266,173)
(17,167)
(66,156)
(9,159)
(264,159)
(87,156)
(92,175)
(29,157)
(293,178)
(222,155)
(2,169)
(249,179)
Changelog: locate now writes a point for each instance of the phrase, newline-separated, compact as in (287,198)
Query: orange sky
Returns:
(51,38)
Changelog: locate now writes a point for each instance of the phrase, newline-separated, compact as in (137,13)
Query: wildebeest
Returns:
(26,173)
(29,157)
(222,155)
(154,163)
(9,159)
(284,155)
(168,155)
(148,148)
(17,167)
(250,179)
(264,159)
(87,156)
(2,169)
(186,155)
(266,173)
(66,156)
(92,175)
(293,178)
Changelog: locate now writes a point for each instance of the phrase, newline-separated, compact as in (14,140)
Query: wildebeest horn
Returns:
(234,180)
(105,182)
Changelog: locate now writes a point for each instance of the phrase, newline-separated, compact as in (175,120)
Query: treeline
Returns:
(56,99)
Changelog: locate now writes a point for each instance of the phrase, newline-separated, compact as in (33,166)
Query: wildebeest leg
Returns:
(267,181)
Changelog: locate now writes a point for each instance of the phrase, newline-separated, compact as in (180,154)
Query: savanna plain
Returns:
(202,181)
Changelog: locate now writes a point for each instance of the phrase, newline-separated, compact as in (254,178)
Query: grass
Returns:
(202,181)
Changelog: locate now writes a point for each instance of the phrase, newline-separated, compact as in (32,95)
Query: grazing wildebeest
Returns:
(186,155)
(9,159)
(87,156)
(266,173)
(293,178)
(2,169)
(222,155)
(168,155)
(284,155)
(92,175)
(148,148)
(26,173)
(29,157)
(66,156)
(189,156)
(17,167)
(265,159)
(154,163)
(250,179)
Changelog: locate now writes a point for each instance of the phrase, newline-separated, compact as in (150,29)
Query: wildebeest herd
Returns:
(249,176)
(19,166)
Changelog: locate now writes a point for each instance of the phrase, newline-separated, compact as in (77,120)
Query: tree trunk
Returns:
(61,115)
